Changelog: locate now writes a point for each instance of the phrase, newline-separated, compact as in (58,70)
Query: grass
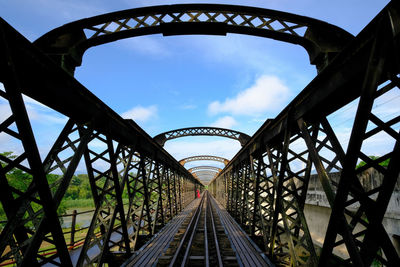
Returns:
(79,203)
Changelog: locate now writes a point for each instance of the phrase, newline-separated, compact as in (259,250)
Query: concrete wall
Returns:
(317,209)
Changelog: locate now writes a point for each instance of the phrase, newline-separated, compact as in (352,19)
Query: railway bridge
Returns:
(252,210)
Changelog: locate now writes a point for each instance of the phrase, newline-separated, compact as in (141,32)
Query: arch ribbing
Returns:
(205,176)
(209,168)
(204,157)
(69,42)
(200,131)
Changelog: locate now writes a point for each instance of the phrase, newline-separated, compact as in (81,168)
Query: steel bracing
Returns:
(265,185)
(137,187)
(211,168)
(119,157)
(68,43)
(199,131)
(204,157)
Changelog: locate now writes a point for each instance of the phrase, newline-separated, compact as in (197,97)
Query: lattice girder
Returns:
(319,38)
(358,206)
(204,157)
(201,131)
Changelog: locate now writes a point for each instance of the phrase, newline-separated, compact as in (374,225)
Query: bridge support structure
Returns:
(137,187)
(265,185)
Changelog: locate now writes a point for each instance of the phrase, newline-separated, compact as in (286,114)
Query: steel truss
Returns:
(265,185)
(128,160)
(68,43)
(205,175)
(199,131)
(204,157)
(211,168)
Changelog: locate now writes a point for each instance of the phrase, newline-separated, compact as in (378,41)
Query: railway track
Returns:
(203,241)
(208,236)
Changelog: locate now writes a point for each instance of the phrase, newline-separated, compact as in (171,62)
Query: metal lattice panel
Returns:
(317,37)
(301,139)
(212,168)
(200,131)
(203,157)
(264,186)
(127,161)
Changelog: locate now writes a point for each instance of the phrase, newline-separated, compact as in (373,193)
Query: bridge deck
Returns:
(153,249)
(236,248)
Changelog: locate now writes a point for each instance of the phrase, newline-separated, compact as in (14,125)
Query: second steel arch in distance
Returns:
(204,157)
(198,131)
(210,168)
(205,176)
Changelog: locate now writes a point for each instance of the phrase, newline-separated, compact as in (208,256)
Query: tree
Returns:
(384,163)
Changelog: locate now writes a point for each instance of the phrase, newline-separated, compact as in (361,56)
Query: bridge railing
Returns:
(119,158)
(265,185)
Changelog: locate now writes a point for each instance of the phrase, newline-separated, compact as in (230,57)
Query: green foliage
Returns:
(384,163)
(78,194)
(21,181)
(78,203)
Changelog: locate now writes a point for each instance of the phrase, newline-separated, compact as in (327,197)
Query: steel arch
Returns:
(204,157)
(197,131)
(69,42)
(205,176)
(266,192)
(211,168)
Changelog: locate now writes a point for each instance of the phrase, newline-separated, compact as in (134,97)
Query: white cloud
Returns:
(225,122)
(70,10)
(36,112)
(140,113)
(188,107)
(148,45)
(42,113)
(226,148)
(32,101)
(5,112)
(268,93)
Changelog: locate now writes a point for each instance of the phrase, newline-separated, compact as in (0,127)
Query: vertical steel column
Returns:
(362,252)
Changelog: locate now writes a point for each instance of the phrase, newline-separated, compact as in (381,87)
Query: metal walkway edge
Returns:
(246,250)
(161,245)
(153,249)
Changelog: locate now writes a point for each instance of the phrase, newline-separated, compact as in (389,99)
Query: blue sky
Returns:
(165,83)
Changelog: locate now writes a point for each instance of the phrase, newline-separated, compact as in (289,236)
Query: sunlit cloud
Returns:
(267,94)
(184,148)
(225,122)
(140,113)
(148,45)
(188,107)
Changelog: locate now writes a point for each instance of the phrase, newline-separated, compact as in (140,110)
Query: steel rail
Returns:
(191,229)
(214,232)
(206,254)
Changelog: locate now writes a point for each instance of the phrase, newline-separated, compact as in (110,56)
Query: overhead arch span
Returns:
(68,43)
(208,168)
(205,176)
(201,131)
(204,157)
